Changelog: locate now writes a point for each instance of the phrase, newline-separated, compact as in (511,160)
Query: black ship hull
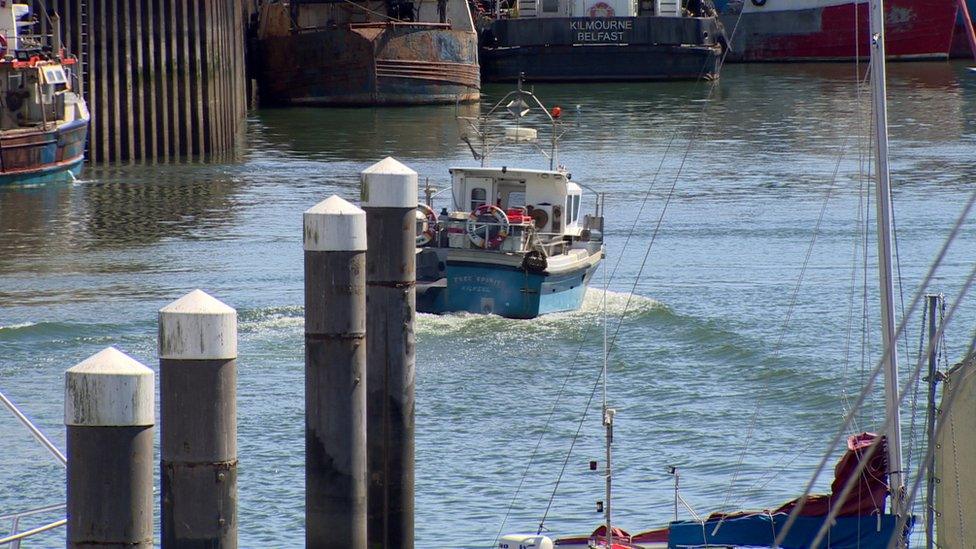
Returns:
(601,49)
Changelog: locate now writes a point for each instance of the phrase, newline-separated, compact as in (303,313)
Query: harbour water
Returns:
(87,265)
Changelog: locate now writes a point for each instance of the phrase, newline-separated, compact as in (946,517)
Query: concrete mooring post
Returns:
(109,413)
(198,422)
(389,196)
(335,375)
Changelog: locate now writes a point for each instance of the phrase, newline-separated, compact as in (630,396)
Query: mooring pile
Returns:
(359,398)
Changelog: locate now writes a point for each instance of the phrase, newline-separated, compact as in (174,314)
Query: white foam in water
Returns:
(18,326)
(592,309)
(272,320)
(617,303)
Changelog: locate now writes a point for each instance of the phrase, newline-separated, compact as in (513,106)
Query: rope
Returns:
(374,12)
(754,420)
(954,232)
(947,404)
(912,438)
(630,296)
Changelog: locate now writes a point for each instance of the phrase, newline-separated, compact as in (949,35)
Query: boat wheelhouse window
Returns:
(479,197)
(576,207)
(516,199)
(550,6)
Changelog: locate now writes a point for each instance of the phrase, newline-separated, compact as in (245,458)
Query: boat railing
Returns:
(14,538)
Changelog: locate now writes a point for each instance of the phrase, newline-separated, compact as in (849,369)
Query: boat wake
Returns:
(590,313)
(19,326)
(271,319)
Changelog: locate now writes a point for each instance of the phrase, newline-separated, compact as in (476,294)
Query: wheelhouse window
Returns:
(516,199)
(576,207)
(479,197)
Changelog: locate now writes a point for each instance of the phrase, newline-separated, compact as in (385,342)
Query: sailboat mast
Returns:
(884,214)
(607,413)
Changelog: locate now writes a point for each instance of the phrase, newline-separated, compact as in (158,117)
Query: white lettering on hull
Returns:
(601,30)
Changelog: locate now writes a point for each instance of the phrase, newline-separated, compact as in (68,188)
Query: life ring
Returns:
(3,45)
(759,3)
(426,224)
(490,220)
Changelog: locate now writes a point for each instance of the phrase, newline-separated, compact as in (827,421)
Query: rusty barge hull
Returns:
(371,64)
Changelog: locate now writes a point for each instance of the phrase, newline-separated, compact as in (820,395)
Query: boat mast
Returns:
(933,303)
(608,414)
(893,429)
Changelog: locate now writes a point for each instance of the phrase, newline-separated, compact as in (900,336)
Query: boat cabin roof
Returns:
(536,185)
(510,173)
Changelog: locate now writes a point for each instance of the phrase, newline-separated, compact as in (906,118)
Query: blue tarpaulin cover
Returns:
(760,531)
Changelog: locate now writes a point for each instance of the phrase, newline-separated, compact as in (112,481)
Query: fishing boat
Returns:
(824,30)
(599,40)
(513,241)
(367,52)
(43,119)
(868,506)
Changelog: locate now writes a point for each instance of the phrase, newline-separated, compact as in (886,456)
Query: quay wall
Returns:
(164,79)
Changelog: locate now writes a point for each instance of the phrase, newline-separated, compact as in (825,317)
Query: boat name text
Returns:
(600,30)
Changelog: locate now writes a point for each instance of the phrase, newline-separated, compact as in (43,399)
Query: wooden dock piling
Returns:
(163,78)
(389,197)
(198,422)
(335,375)
(109,413)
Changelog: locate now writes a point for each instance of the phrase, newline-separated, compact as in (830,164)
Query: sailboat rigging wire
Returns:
(849,485)
(947,403)
(902,519)
(576,356)
(754,420)
(863,202)
(912,438)
(711,91)
(869,384)
(623,313)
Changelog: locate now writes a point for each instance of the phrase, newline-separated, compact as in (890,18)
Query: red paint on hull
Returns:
(914,29)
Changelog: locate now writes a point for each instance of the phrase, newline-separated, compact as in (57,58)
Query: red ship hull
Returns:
(824,30)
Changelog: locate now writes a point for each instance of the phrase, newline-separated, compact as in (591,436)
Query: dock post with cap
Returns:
(389,197)
(335,375)
(198,422)
(109,414)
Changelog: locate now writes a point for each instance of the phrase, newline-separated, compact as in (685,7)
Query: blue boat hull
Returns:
(505,291)
(28,157)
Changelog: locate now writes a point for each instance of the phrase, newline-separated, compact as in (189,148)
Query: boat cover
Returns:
(861,520)
(759,530)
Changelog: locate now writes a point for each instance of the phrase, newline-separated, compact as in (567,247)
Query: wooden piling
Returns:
(163,78)
(335,375)
(389,197)
(109,414)
(198,422)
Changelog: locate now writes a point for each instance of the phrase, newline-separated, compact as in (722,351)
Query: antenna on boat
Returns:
(608,414)
(519,103)
(884,214)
